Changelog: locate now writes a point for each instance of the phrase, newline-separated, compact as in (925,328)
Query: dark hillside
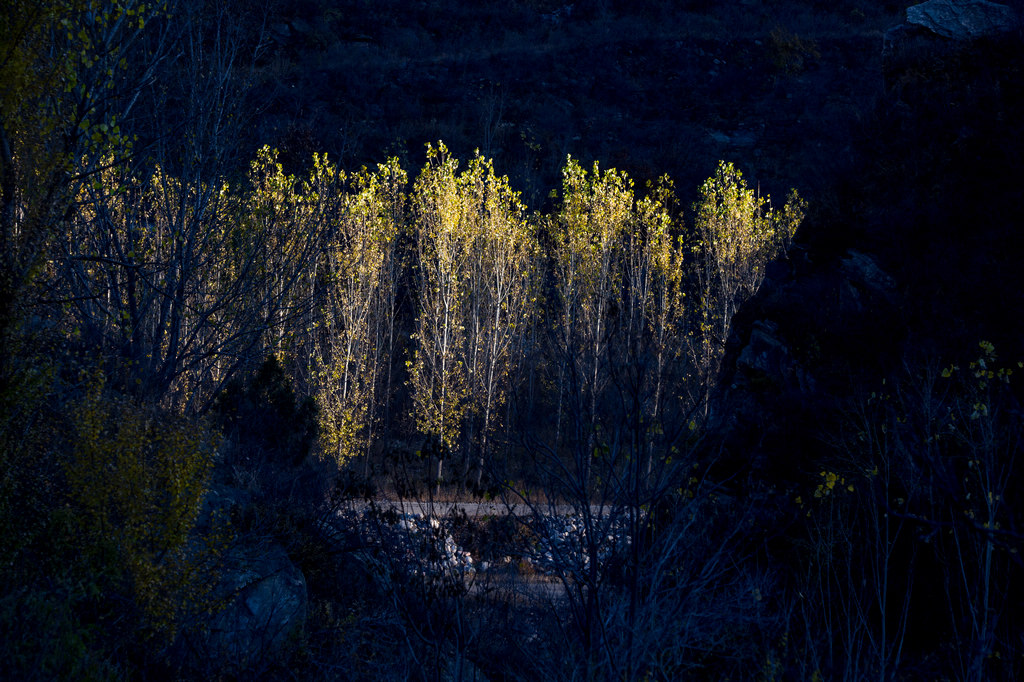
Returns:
(776,87)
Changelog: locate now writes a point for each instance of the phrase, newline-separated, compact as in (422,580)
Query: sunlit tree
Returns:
(439,372)
(653,338)
(161,265)
(587,249)
(501,293)
(737,234)
(354,313)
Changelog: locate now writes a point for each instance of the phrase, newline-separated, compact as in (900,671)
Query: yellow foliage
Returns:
(136,480)
(359,262)
(829,482)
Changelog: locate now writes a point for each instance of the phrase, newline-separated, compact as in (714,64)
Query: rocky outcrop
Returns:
(962,19)
(936,30)
(262,599)
(267,604)
(767,361)
(863,275)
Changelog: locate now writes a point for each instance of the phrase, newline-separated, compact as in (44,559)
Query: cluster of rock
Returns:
(397,546)
(564,545)
(423,545)
(262,598)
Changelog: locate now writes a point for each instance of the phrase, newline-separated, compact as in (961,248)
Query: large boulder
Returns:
(930,43)
(962,19)
(863,274)
(263,603)
(766,361)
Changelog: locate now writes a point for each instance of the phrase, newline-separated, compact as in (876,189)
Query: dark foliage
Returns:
(264,420)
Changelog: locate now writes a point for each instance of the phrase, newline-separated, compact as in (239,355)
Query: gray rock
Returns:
(865,286)
(719,137)
(741,138)
(281,30)
(766,360)
(962,19)
(744,138)
(301,26)
(864,271)
(934,34)
(264,597)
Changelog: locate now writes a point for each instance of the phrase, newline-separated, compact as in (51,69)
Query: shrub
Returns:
(789,52)
(136,478)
